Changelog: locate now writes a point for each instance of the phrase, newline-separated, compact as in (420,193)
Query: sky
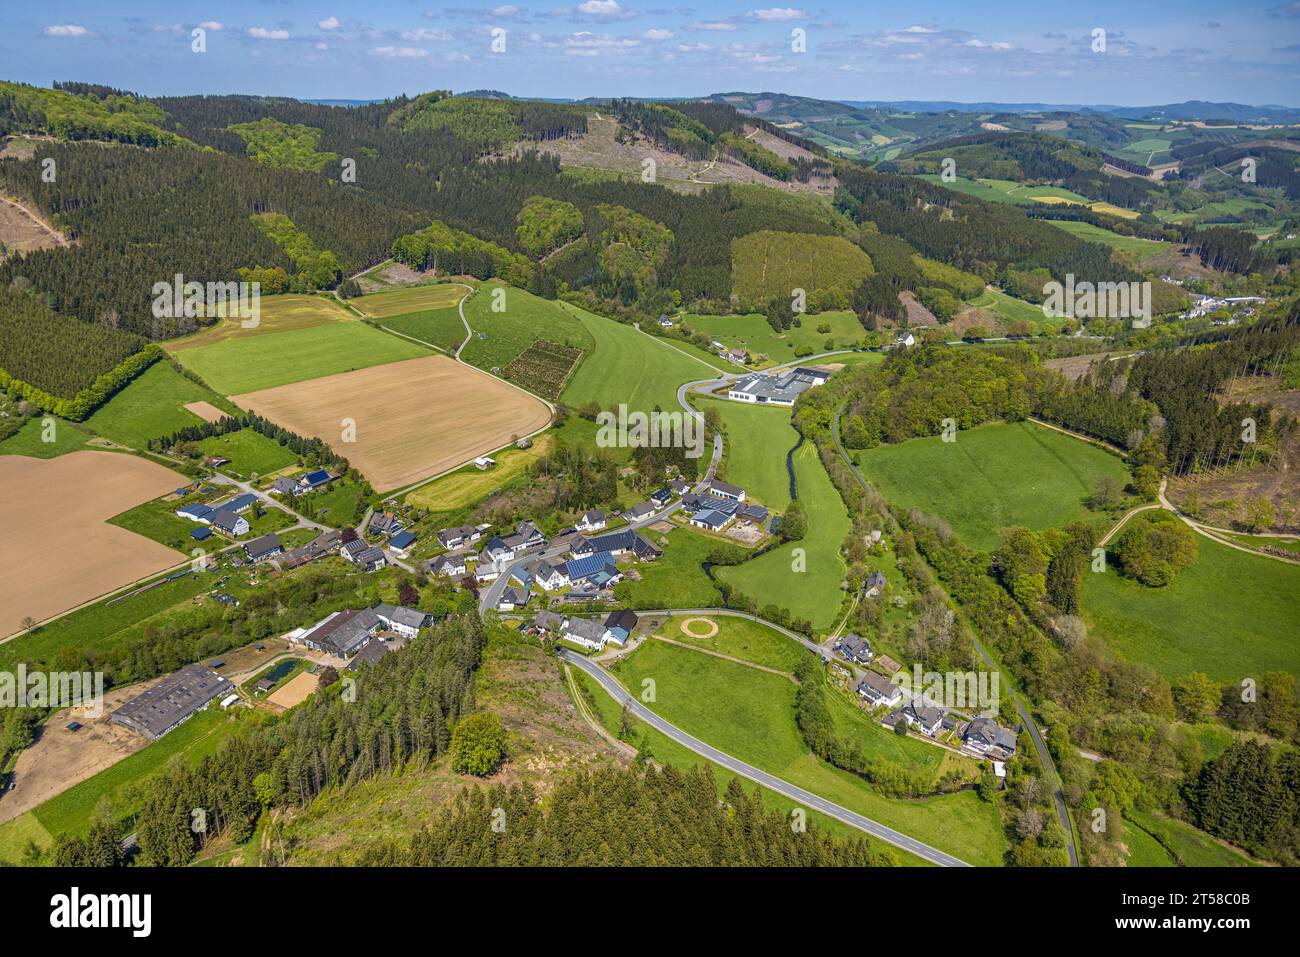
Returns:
(1151,51)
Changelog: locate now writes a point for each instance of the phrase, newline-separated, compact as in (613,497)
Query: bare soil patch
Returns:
(53,527)
(22,231)
(413,418)
(294,691)
(699,627)
(205,411)
(61,758)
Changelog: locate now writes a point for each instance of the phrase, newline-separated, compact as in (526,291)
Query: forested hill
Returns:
(149,188)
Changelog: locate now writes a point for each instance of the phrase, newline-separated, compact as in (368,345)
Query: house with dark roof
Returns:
(172,701)
(200,533)
(264,547)
(711,519)
(645,550)
(453,566)
(855,648)
(878,690)
(726,490)
(640,511)
(679,487)
(384,523)
(587,632)
(661,497)
(596,570)
(372,558)
(404,621)
(224,520)
(371,652)
(456,537)
(754,513)
(549,621)
(548,577)
(985,736)
(620,625)
(616,543)
(923,716)
(240,503)
(512,599)
(592,521)
(874,583)
(342,633)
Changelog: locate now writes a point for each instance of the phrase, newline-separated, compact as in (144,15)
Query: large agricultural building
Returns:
(766,389)
(172,701)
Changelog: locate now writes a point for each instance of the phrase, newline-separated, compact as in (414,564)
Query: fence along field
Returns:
(69,553)
(413,419)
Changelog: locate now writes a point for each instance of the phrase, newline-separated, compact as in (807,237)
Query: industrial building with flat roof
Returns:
(779,389)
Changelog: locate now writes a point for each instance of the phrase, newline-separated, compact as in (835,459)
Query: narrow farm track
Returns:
(1044,756)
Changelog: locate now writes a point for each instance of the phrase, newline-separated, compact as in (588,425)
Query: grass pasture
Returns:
(756,336)
(1229,614)
(412,419)
(1185,844)
(400,302)
(249,452)
(152,405)
(992,477)
(749,714)
(438,327)
(285,313)
(628,366)
(463,487)
(30,439)
(251,363)
(1095,234)
(677,579)
(814,593)
(524,319)
(757,440)
(744,639)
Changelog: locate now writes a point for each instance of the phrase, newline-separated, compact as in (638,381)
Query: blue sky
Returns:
(1156,51)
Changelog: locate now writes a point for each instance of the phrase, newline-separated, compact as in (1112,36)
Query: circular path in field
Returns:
(707,622)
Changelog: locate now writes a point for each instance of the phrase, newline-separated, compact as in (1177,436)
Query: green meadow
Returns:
(438,327)
(628,366)
(1095,234)
(1229,614)
(524,319)
(992,477)
(755,335)
(750,714)
(241,365)
(152,405)
(30,439)
(676,580)
(249,452)
(815,592)
(757,440)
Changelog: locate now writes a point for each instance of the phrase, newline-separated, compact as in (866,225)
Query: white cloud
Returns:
(426,33)
(401,53)
(657,35)
(589,44)
(778,13)
(693,47)
(175,29)
(918,29)
(262,33)
(720,25)
(457,57)
(213,25)
(604,8)
(329,23)
(505,10)
(66,30)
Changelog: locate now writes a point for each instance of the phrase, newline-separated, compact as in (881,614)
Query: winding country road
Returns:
(1044,756)
(758,776)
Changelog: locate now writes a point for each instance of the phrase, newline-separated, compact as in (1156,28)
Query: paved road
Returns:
(1044,756)
(772,783)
